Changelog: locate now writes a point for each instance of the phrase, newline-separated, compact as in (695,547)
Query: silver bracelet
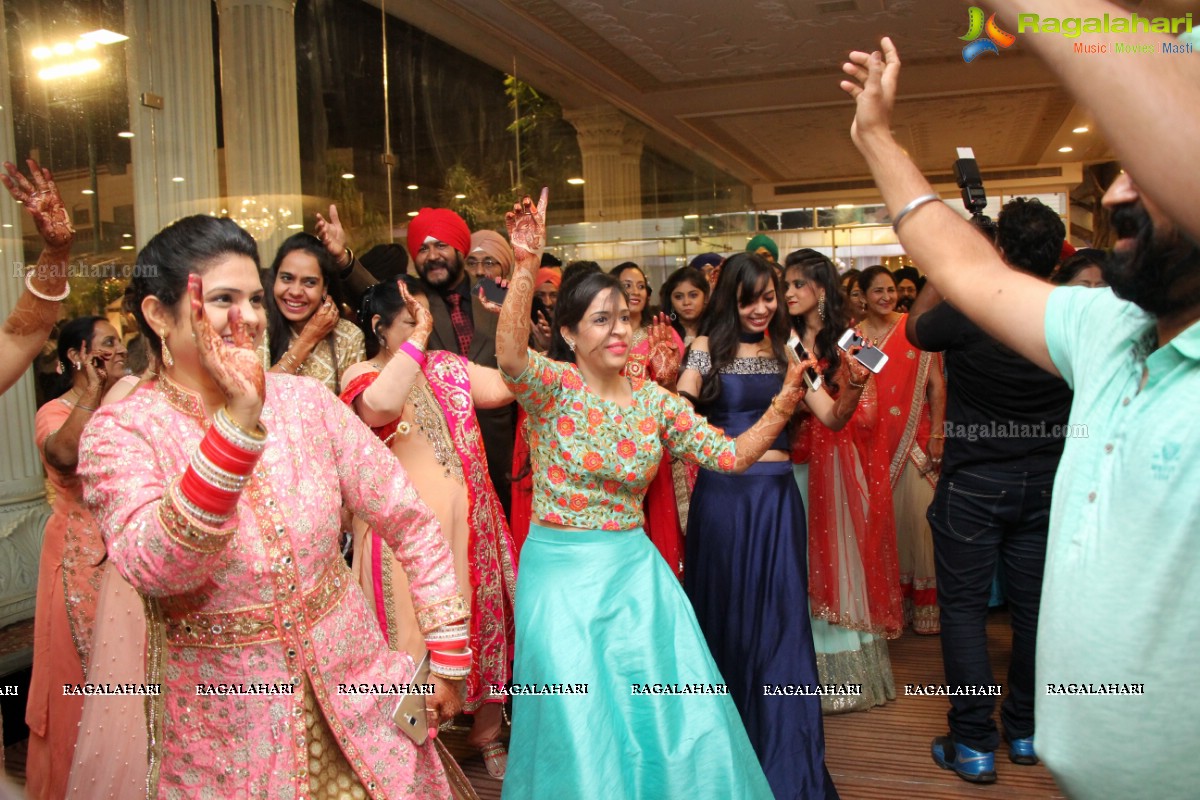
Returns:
(49,299)
(911,207)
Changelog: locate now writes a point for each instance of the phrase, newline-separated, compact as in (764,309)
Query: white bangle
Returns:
(911,207)
(46,297)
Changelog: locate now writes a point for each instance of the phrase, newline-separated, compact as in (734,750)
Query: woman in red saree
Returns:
(655,352)
(907,422)
(853,577)
(422,405)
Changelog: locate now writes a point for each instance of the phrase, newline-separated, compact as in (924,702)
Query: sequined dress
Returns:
(256,629)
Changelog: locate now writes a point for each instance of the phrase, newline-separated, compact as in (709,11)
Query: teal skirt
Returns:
(629,702)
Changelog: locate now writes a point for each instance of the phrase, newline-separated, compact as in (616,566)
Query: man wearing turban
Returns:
(490,256)
(439,241)
(764,246)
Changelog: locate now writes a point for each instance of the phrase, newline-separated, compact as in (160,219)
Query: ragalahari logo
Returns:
(996,38)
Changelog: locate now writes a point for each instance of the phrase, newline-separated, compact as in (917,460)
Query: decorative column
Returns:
(611,145)
(262,130)
(23,509)
(172,112)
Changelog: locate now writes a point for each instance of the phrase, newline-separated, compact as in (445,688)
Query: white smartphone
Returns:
(869,356)
(410,712)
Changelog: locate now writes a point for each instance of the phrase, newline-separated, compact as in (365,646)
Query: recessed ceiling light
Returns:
(177,179)
(125,134)
(347,176)
(460,196)
(691,216)
(413,213)
(6,225)
(1065,149)
(88,191)
(412,187)
(126,247)
(103,36)
(1080,129)
(126,235)
(295,226)
(575,181)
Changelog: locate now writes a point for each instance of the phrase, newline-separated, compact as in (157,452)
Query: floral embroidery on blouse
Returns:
(592,459)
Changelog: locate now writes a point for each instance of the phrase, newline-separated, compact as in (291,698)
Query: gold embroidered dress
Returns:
(264,606)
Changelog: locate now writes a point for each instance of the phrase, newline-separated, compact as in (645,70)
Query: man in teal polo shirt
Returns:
(1118,708)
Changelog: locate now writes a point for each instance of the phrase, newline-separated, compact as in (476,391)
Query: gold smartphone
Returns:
(410,713)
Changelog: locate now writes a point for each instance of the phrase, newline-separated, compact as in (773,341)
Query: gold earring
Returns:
(168,360)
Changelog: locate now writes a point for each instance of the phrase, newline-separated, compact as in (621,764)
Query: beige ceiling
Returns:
(752,85)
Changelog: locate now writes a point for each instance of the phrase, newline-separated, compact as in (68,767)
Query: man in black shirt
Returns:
(1005,421)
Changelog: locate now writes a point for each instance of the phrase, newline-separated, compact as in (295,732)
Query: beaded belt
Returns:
(254,624)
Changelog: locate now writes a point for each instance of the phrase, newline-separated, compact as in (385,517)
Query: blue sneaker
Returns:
(970,765)
(1020,751)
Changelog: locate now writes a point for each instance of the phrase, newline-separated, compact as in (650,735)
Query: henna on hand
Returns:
(332,235)
(664,358)
(526,226)
(323,320)
(235,369)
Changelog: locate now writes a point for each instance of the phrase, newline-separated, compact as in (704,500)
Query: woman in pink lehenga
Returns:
(422,405)
(219,493)
(912,428)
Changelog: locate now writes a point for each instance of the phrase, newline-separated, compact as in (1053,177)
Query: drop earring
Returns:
(821,308)
(167,358)
(571,345)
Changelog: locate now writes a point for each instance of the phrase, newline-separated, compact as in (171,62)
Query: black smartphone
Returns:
(812,378)
(493,291)
(869,356)
(539,310)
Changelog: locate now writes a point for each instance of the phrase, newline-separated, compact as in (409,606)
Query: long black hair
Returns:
(744,277)
(574,298)
(71,337)
(278,328)
(818,269)
(190,245)
(383,299)
(680,276)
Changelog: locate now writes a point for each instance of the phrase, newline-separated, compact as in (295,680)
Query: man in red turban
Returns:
(439,240)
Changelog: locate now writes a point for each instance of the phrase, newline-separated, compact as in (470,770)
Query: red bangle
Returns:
(450,659)
(446,645)
(226,455)
(205,496)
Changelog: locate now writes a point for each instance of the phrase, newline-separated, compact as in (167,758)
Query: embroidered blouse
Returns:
(593,459)
(325,363)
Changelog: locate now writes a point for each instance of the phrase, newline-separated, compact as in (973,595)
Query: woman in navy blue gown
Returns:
(745,565)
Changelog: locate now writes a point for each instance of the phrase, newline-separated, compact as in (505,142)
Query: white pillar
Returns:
(262,129)
(23,509)
(611,146)
(170,58)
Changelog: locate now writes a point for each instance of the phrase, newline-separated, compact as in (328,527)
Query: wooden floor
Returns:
(884,753)
(874,755)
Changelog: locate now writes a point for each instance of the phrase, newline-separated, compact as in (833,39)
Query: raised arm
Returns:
(383,401)
(1011,306)
(28,325)
(1148,108)
(689,436)
(487,387)
(527,231)
(62,446)
(165,531)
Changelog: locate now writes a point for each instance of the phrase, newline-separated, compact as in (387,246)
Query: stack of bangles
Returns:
(454,666)
(219,469)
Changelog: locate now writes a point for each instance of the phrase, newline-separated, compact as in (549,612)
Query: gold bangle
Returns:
(859,386)
(937,436)
(775,405)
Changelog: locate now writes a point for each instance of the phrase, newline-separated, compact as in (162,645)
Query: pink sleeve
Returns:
(376,488)
(128,483)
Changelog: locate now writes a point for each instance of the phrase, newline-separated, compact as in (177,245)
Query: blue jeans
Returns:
(978,515)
